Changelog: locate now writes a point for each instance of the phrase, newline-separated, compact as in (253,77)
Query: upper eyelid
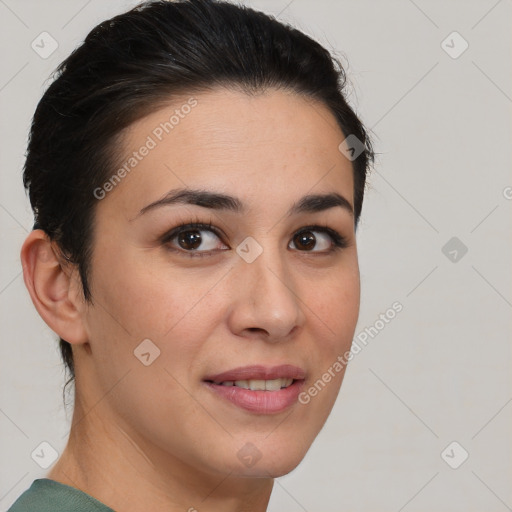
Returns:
(190,226)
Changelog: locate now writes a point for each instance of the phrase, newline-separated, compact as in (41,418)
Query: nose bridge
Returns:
(272,275)
(267,300)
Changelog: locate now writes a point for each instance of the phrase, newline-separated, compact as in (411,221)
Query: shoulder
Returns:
(45,495)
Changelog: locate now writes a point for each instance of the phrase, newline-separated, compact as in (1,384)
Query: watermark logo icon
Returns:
(44,455)
(454,249)
(454,45)
(146,352)
(351,147)
(454,455)
(44,45)
(249,455)
(249,249)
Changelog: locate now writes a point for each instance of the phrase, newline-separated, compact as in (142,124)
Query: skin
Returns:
(154,437)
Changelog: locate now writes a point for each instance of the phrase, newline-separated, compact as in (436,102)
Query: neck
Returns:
(107,461)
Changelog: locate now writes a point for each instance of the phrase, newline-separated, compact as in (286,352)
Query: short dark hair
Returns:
(129,66)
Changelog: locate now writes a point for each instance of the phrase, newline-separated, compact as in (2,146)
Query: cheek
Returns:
(345,312)
(333,320)
(136,300)
(144,296)
(336,306)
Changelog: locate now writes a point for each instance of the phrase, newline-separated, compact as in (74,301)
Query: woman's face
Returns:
(172,311)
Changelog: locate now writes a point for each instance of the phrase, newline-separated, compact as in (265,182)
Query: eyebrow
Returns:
(308,204)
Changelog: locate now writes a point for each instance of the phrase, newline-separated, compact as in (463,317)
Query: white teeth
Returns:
(274,385)
(254,384)
(259,385)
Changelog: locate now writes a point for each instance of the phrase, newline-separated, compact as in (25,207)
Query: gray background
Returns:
(440,370)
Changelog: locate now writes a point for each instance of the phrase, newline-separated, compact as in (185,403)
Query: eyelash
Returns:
(339,241)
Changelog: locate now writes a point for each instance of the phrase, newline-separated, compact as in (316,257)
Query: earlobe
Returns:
(50,283)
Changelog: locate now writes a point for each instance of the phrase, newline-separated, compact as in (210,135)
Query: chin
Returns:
(269,469)
(271,460)
(282,467)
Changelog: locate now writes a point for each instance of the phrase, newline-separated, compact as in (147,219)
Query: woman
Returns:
(196,177)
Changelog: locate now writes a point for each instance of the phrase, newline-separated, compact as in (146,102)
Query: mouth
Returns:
(259,389)
(258,372)
(257,384)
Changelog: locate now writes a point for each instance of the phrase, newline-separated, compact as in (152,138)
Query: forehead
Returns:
(266,145)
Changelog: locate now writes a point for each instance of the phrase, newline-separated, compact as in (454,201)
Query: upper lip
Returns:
(259,372)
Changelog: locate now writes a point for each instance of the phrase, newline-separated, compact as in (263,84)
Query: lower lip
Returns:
(261,402)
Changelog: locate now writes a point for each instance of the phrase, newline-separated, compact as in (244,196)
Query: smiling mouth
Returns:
(257,384)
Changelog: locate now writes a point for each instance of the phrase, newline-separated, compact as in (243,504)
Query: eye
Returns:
(194,239)
(326,240)
(201,239)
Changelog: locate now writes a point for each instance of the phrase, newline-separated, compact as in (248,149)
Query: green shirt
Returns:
(45,495)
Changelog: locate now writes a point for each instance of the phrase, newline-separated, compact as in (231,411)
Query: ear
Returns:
(54,287)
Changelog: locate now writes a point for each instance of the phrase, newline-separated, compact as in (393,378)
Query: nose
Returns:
(265,303)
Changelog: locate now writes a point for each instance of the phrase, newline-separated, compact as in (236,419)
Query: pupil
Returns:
(189,239)
(306,240)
